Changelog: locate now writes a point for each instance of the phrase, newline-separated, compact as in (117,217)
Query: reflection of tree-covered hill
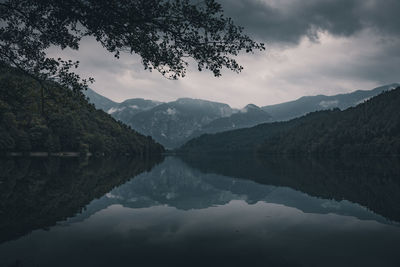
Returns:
(371,182)
(36,193)
(175,184)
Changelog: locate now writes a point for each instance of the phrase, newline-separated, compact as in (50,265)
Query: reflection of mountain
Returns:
(372,182)
(175,184)
(187,216)
(37,193)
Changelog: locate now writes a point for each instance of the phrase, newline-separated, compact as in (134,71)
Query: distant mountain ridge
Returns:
(99,101)
(249,116)
(306,104)
(174,123)
(120,111)
(125,110)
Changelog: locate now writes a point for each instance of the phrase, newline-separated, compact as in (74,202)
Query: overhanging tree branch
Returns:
(163,32)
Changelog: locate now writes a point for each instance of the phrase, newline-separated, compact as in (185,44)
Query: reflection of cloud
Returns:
(262,234)
(237,214)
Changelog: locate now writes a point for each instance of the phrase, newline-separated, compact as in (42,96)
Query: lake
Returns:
(200,211)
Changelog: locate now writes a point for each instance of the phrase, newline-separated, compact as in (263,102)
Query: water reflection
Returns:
(373,182)
(216,214)
(38,192)
(177,185)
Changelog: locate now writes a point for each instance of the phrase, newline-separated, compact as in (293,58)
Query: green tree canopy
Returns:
(165,33)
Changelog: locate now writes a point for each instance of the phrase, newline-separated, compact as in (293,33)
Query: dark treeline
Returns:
(372,182)
(36,193)
(372,127)
(69,122)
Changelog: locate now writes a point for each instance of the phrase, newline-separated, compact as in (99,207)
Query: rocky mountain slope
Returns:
(174,123)
(249,116)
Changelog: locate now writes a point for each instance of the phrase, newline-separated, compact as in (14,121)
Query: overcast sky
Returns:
(313,47)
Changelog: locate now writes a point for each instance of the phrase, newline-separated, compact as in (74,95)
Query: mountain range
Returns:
(370,128)
(174,123)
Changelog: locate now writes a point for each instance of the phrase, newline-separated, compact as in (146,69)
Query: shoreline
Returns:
(46,154)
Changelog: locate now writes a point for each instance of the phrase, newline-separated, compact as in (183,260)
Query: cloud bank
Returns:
(288,21)
(313,47)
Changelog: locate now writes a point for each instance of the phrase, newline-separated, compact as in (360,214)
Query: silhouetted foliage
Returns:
(372,127)
(69,124)
(163,33)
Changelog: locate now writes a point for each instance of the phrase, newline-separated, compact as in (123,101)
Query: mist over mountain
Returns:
(121,111)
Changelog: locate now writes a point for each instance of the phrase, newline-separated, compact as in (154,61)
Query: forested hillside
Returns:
(68,123)
(372,127)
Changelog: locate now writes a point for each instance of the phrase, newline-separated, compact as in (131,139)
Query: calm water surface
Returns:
(200,211)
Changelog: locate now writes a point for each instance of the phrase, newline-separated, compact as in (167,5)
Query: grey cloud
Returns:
(289,20)
(378,61)
(360,49)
